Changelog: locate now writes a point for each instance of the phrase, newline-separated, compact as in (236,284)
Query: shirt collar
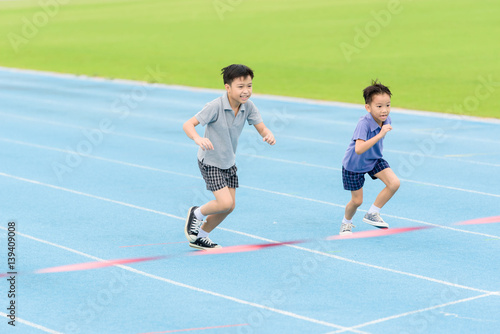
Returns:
(373,125)
(227,106)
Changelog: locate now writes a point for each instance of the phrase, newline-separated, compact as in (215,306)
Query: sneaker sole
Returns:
(202,248)
(188,236)
(380,225)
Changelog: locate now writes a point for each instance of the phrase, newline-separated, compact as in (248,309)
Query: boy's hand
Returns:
(204,143)
(385,128)
(269,139)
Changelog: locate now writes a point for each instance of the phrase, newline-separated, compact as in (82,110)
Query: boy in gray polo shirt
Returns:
(364,155)
(224,118)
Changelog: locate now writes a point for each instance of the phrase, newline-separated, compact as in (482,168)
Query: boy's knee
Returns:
(226,205)
(232,208)
(357,201)
(394,185)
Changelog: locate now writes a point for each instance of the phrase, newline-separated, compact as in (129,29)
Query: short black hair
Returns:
(374,89)
(231,72)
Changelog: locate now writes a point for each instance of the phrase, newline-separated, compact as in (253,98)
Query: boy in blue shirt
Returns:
(224,118)
(364,155)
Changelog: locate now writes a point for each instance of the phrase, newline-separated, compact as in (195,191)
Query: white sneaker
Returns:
(375,220)
(346,228)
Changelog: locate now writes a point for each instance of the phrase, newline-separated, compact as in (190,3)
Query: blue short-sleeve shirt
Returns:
(362,163)
(223,129)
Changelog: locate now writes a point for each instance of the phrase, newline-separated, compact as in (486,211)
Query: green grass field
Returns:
(435,55)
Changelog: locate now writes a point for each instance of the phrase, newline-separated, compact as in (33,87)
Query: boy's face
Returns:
(380,107)
(240,89)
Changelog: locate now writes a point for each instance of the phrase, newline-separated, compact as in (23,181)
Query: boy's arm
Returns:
(362,146)
(266,134)
(189,129)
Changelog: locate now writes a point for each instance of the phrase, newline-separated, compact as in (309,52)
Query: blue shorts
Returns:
(355,181)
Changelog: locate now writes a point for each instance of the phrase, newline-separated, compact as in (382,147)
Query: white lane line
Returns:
(76,192)
(70,126)
(92,91)
(427,132)
(405,180)
(420,154)
(412,312)
(430,279)
(246,234)
(29,323)
(182,285)
(290,162)
(452,188)
(469,155)
(99,110)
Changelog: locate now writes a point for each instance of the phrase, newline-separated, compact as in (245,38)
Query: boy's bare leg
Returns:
(218,209)
(354,203)
(391,182)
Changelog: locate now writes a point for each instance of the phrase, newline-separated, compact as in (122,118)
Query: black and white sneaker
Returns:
(204,243)
(192,225)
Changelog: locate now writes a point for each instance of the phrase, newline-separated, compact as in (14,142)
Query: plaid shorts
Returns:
(355,181)
(217,178)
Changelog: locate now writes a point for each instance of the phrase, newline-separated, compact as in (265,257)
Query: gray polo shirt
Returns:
(223,129)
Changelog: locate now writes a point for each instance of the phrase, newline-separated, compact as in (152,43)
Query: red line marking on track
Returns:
(224,250)
(163,243)
(376,233)
(95,265)
(5,275)
(487,220)
(195,329)
(244,248)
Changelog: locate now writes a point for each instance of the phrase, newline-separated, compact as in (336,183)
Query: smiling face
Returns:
(239,91)
(379,107)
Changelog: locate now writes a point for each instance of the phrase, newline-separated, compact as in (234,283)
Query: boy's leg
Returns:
(354,203)
(218,209)
(391,182)
(222,183)
(354,183)
(350,210)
